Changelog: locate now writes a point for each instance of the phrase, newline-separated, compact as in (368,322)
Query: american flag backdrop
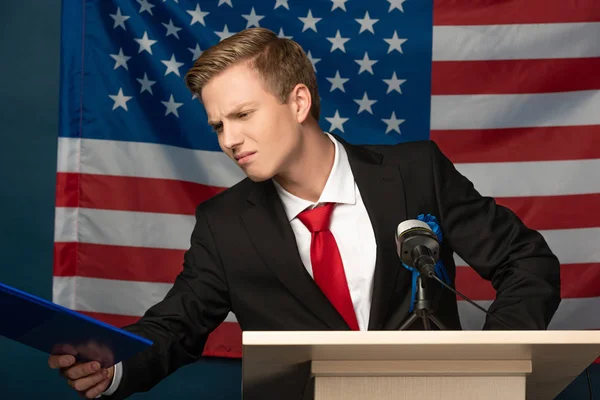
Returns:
(510,90)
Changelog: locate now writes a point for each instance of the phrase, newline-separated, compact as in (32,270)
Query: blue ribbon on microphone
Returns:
(440,269)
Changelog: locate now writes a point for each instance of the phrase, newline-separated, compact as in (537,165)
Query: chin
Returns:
(257,179)
(258,176)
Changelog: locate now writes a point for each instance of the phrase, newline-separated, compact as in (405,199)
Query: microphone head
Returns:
(411,224)
(414,233)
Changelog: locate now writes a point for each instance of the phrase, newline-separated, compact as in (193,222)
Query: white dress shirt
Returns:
(351,228)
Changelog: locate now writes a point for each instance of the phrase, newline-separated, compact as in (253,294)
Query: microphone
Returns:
(418,246)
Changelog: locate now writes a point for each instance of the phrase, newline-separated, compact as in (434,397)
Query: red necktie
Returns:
(327,266)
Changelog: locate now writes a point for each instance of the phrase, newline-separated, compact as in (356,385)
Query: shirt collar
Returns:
(339,187)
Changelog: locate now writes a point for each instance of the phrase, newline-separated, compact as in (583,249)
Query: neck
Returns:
(307,173)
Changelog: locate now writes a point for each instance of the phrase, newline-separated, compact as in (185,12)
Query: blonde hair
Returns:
(280,63)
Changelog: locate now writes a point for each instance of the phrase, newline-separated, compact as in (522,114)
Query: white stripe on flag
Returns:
(572,314)
(68,154)
(132,228)
(522,41)
(539,178)
(170,231)
(110,296)
(516,110)
(65,224)
(150,160)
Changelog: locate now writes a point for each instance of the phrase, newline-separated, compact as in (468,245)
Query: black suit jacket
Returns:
(243,258)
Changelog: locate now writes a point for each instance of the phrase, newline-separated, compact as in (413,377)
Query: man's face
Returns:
(253,128)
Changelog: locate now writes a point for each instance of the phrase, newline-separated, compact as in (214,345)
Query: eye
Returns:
(243,115)
(217,128)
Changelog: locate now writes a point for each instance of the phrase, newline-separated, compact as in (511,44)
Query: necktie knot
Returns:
(317,219)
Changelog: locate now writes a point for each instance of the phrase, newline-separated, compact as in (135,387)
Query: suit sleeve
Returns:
(179,325)
(500,248)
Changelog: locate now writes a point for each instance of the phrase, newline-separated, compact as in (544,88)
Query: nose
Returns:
(231,136)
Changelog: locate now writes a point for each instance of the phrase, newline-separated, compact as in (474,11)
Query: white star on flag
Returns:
(196,52)
(366,23)
(145,6)
(395,43)
(309,21)
(394,83)
(337,82)
(338,42)
(145,43)
(336,121)
(171,29)
(393,124)
(396,4)
(120,59)
(172,65)
(228,2)
(119,19)
(365,104)
(224,34)
(146,84)
(197,15)
(282,35)
(120,100)
(282,3)
(366,64)
(313,61)
(171,106)
(338,4)
(252,18)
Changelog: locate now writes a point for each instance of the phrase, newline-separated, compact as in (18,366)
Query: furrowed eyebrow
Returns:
(233,112)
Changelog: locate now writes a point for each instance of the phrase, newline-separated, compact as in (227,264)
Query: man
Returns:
(256,249)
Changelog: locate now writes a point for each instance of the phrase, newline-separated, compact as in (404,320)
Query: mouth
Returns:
(244,157)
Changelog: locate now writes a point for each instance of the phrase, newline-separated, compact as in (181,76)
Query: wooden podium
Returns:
(414,364)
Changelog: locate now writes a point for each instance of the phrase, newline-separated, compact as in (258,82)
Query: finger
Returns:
(84,384)
(82,370)
(97,389)
(60,361)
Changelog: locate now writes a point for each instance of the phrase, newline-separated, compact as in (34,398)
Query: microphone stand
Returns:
(423,308)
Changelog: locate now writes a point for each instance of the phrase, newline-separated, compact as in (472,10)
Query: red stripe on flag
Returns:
(224,341)
(495,12)
(556,212)
(514,76)
(580,280)
(520,144)
(577,281)
(67,189)
(106,262)
(65,259)
(151,195)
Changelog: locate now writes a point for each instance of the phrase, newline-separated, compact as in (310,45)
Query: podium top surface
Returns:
(557,356)
(354,338)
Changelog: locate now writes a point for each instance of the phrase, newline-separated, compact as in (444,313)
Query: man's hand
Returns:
(88,379)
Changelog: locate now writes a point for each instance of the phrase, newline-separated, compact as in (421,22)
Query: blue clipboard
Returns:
(54,329)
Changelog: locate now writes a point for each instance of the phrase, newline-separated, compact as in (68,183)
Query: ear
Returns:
(301,102)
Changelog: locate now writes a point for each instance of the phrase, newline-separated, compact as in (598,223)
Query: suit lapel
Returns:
(270,232)
(383,194)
